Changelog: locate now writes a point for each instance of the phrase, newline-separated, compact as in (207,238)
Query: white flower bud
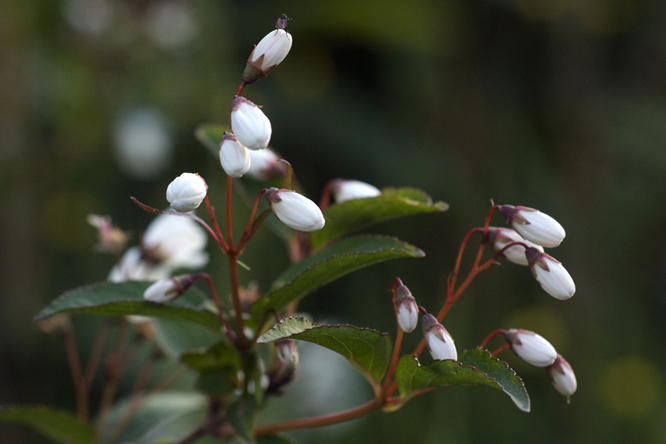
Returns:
(440,343)
(294,210)
(501,237)
(166,290)
(344,190)
(264,164)
(287,352)
(405,306)
(249,124)
(186,192)
(550,274)
(268,54)
(531,347)
(562,376)
(234,157)
(534,225)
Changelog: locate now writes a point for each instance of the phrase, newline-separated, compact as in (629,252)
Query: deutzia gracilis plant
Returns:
(240,345)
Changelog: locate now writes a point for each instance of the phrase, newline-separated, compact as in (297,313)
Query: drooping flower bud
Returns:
(499,238)
(186,192)
(264,165)
(534,225)
(268,54)
(531,347)
(406,309)
(562,376)
(343,190)
(287,353)
(294,210)
(550,274)
(234,157)
(440,343)
(111,238)
(166,290)
(249,124)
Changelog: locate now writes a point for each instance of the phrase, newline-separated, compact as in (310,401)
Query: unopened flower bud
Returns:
(343,190)
(531,347)
(440,343)
(234,157)
(550,274)
(499,238)
(186,192)
(534,225)
(562,376)
(111,239)
(264,165)
(166,290)
(268,54)
(287,352)
(405,307)
(249,124)
(294,210)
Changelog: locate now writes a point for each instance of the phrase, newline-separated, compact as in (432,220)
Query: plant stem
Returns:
(241,339)
(247,233)
(113,374)
(230,232)
(490,336)
(319,421)
(500,350)
(240,88)
(77,375)
(213,220)
(394,363)
(218,304)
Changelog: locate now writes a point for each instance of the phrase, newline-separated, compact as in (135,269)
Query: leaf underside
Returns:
(329,264)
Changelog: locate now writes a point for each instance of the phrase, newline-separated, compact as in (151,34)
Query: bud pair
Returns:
(295,210)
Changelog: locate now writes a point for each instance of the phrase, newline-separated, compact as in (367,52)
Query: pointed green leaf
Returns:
(210,135)
(368,350)
(215,357)
(54,424)
(356,214)
(412,376)
(500,373)
(126,298)
(329,264)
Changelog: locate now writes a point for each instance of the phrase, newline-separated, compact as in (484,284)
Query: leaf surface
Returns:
(329,264)
(54,424)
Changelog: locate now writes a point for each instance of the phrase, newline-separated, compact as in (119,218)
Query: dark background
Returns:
(557,105)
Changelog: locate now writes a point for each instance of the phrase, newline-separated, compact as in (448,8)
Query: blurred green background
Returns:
(558,105)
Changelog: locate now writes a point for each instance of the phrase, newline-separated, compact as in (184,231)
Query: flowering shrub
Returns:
(245,348)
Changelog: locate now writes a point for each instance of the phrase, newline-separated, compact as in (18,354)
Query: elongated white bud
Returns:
(440,343)
(268,54)
(166,290)
(531,347)
(562,376)
(550,274)
(344,190)
(287,352)
(264,165)
(249,124)
(405,306)
(234,157)
(294,210)
(534,225)
(186,192)
(499,238)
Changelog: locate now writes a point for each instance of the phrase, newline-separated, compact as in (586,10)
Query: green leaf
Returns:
(242,414)
(54,424)
(412,376)
(275,439)
(177,337)
(210,135)
(218,382)
(500,373)
(368,350)
(329,264)
(126,298)
(215,357)
(356,214)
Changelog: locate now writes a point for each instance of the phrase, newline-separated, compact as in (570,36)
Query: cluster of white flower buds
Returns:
(533,230)
(537,351)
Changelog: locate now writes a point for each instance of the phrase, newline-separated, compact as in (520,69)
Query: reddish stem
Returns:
(500,350)
(325,196)
(319,421)
(230,233)
(250,223)
(490,336)
(394,364)
(213,220)
(77,376)
(240,88)
(218,304)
